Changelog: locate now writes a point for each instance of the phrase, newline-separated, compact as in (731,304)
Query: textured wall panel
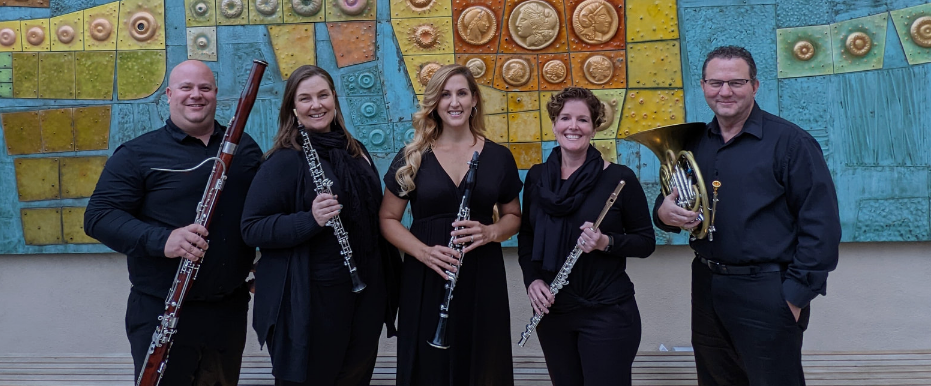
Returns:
(100,27)
(6,75)
(346,10)
(41,226)
(232,12)
(304,11)
(79,175)
(25,3)
(477,25)
(266,11)
(67,32)
(200,13)
(420,8)
(859,43)
(597,25)
(809,102)
(363,81)
(139,73)
(801,13)
(900,219)
(37,179)
(526,154)
(493,101)
(202,43)
(91,128)
(72,224)
(25,75)
(496,127)
(481,65)
(546,125)
(648,109)
(555,71)
(57,130)
(56,75)
(403,133)
(22,133)
(524,127)
(424,35)
(913,26)
(591,70)
(804,51)
(376,138)
(353,42)
(516,73)
(141,25)
(540,28)
(613,101)
(294,46)
(652,20)
(607,148)
(421,68)
(366,110)
(34,35)
(94,74)
(12,37)
(654,65)
(523,101)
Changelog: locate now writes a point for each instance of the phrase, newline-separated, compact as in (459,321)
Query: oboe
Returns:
(156,359)
(322,186)
(439,337)
(562,278)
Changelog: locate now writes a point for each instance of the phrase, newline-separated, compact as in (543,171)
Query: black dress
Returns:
(479,318)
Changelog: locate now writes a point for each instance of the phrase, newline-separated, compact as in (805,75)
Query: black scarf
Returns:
(559,199)
(362,194)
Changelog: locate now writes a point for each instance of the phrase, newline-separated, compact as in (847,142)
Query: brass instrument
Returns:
(679,170)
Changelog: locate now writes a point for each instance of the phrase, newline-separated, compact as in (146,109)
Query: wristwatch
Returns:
(610,244)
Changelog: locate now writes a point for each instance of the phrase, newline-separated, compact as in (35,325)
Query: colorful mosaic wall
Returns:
(79,77)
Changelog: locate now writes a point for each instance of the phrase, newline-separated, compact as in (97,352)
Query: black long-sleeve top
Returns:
(134,209)
(777,202)
(598,278)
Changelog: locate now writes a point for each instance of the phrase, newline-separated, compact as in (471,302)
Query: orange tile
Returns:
(581,24)
(600,76)
(559,41)
(476,27)
(522,69)
(353,41)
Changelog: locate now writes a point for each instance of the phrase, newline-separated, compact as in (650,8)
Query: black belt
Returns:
(723,269)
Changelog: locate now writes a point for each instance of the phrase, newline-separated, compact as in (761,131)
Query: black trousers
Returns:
(743,331)
(591,346)
(206,350)
(345,328)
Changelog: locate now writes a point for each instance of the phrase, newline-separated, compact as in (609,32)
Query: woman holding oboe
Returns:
(591,331)
(429,174)
(321,326)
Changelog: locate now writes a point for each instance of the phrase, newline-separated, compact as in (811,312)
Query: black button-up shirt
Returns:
(134,208)
(777,202)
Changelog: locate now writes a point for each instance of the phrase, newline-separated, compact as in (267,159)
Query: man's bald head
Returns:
(192,97)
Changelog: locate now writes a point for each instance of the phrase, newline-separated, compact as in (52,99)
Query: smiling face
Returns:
(315,104)
(456,102)
(574,127)
(730,104)
(192,97)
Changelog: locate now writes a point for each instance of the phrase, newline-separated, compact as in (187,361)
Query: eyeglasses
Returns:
(733,83)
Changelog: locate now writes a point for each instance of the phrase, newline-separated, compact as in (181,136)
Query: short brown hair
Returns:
(595,107)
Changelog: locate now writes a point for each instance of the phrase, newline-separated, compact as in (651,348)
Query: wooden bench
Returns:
(873,368)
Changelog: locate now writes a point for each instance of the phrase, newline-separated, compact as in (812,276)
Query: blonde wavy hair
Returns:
(428,126)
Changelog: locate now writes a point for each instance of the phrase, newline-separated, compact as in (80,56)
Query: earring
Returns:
(300,126)
(474,111)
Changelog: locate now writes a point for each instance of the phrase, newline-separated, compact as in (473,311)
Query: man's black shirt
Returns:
(777,202)
(134,209)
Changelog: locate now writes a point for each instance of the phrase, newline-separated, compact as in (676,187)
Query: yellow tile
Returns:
(68,32)
(37,179)
(79,175)
(420,8)
(546,124)
(93,74)
(421,36)
(294,46)
(14,26)
(523,101)
(139,73)
(91,128)
(607,148)
(100,27)
(200,13)
(232,12)
(648,109)
(496,127)
(654,65)
(56,75)
(35,35)
(268,12)
(307,11)
(524,127)
(41,226)
(652,20)
(22,132)
(57,132)
(493,101)
(423,63)
(346,10)
(72,224)
(141,25)
(25,74)
(526,154)
(613,101)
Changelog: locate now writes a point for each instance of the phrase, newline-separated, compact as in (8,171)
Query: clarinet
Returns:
(562,278)
(322,185)
(156,360)
(439,337)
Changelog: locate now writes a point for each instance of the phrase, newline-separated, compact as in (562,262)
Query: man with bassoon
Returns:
(147,214)
(773,237)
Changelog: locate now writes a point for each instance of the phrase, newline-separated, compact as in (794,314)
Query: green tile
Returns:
(804,51)
(6,60)
(94,74)
(6,75)
(870,57)
(25,74)
(6,90)
(56,75)
(917,47)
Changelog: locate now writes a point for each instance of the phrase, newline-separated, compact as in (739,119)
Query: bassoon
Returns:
(156,359)
(465,213)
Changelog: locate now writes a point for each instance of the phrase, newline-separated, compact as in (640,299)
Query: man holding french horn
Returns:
(773,232)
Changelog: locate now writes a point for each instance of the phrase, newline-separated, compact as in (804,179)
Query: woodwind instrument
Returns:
(321,186)
(439,337)
(156,360)
(562,278)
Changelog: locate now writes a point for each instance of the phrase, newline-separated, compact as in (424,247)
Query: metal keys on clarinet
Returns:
(439,337)
(562,277)
(322,186)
